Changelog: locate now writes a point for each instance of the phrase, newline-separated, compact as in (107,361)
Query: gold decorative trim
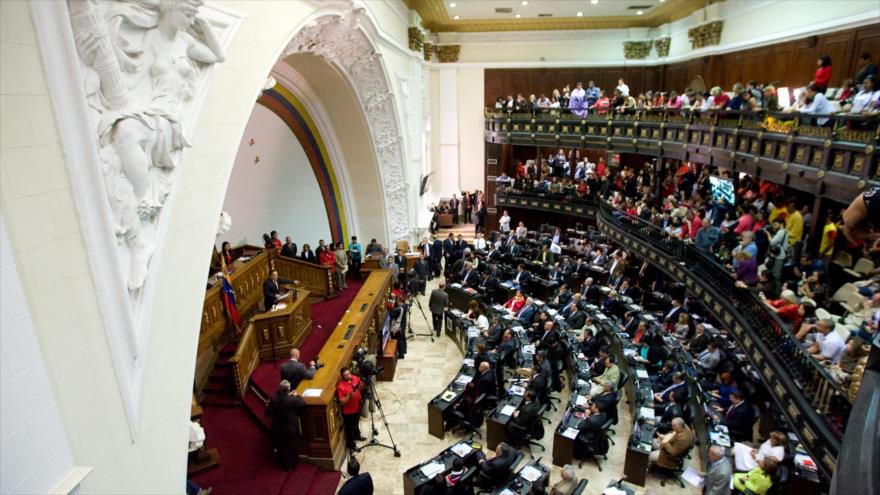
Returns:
(662,46)
(636,50)
(416,39)
(706,35)
(436,18)
(448,53)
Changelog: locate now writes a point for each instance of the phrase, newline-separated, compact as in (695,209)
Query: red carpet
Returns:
(247,463)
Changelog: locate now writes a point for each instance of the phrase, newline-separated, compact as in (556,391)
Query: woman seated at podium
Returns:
(746,458)
(515,303)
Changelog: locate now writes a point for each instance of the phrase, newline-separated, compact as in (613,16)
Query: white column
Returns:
(447,169)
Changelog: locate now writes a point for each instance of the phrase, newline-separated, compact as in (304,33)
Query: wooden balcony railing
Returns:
(245,359)
(317,279)
(837,160)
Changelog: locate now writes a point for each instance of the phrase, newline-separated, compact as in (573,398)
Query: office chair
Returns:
(527,436)
(581,486)
(465,485)
(484,484)
(473,421)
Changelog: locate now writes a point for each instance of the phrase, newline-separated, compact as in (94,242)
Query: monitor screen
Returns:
(722,188)
(386,331)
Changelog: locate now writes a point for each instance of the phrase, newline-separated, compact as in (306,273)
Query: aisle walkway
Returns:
(428,367)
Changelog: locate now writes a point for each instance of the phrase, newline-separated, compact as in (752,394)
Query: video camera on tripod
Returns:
(366,368)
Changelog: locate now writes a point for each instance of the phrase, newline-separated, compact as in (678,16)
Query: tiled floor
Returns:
(427,368)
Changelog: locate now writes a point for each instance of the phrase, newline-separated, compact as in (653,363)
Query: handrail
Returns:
(315,278)
(245,359)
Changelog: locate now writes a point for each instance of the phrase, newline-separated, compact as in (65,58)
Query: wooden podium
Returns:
(280,330)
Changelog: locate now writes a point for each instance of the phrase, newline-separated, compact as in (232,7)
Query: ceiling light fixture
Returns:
(452,5)
(518,16)
(457,17)
(594,2)
(580,14)
(524,3)
(640,12)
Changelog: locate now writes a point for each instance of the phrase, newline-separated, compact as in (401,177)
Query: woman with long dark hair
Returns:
(823,73)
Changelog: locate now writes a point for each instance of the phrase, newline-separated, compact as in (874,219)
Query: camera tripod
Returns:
(373,397)
(414,297)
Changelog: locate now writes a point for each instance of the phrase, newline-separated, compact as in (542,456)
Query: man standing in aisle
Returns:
(437,304)
(284,408)
(453,209)
(348,391)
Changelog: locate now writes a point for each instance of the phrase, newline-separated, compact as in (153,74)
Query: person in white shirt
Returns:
(866,99)
(828,343)
(817,104)
(479,242)
(521,231)
(504,222)
(746,458)
(624,89)
(555,248)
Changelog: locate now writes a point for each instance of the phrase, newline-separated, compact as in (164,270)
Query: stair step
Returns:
(222,400)
(219,388)
(257,410)
(222,372)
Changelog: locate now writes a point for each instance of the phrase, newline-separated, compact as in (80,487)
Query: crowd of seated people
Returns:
(545,324)
(859,95)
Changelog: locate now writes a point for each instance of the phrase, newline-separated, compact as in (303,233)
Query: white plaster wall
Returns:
(448,127)
(34,453)
(49,250)
(471,146)
(279,193)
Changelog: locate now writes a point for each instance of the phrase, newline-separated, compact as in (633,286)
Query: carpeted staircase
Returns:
(239,429)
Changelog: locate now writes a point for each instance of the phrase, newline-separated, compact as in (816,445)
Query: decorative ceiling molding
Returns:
(531,36)
(436,18)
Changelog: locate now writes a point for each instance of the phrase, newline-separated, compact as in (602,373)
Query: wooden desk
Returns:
(445,220)
(388,361)
(322,421)
(635,465)
(563,449)
(280,330)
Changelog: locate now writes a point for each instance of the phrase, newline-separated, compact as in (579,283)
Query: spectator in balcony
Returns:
(817,104)
(622,87)
(697,102)
(602,104)
(543,103)
(591,94)
(555,104)
(719,98)
(754,90)
(577,103)
(867,68)
(746,268)
(843,370)
(745,220)
(674,101)
(618,100)
(794,221)
(566,96)
(823,74)
(770,101)
(827,343)
(847,91)
(687,97)
(866,101)
(641,102)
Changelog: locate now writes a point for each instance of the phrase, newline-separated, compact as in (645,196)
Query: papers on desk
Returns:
(279,306)
(448,396)
(456,313)
(530,474)
(551,311)
(473,332)
(498,307)
(627,352)
(507,316)
(467,362)
(642,373)
(281,296)
(312,392)
(647,413)
(517,390)
(433,469)
(570,432)
(507,410)
(636,308)
(462,449)
(601,317)
(648,317)
(613,490)
(455,285)
(538,302)
(719,438)
(581,401)
(805,462)
(506,491)
(528,349)
(692,476)
(582,383)
(464,379)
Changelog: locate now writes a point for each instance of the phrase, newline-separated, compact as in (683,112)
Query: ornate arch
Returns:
(339,40)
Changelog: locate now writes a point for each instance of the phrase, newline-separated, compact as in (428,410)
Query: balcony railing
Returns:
(813,402)
(836,160)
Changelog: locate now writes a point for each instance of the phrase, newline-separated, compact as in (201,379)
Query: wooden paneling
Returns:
(314,278)
(791,63)
(280,330)
(245,360)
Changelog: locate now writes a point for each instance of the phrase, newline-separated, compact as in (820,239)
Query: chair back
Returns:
(624,376)
(863,266)
(581,486)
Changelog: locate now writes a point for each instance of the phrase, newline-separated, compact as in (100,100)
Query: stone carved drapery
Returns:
(447,53)
(706,35)
(339,40)
(129,77)
(636,49)
(662,46)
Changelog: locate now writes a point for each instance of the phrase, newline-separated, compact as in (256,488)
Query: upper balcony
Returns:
(836,160)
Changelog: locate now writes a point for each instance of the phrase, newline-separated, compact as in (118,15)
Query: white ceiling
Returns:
(485,9)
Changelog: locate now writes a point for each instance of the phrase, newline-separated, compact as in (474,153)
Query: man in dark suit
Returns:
(521,277)
(545,256)
(563,297)
(575,318)
(294,371)
(357,483)
(436,256)
(437,303)
(453,208)
(271,289)
(449,251)
(671,316)
(739,418)
(592,425)
(528,412)
(485,380)
(284,408)
(591,291)
(494,254)
(675,409)
(555,274)
(289,248)
(539,385)
(400,259)
(498,469)
(527,313)
(607,399)
(469,277)
(664,397)
(422,271)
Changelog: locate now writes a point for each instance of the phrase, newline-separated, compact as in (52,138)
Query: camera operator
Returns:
(437,304)
(348,391)
(420,272)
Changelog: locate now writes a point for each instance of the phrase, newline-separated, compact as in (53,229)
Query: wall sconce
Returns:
(257,159)
(252,141)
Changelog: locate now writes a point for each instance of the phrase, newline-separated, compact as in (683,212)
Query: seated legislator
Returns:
(522,277)
(668,447)
(610,374)
(485,379)
(515,303)
(527,313)
(527,413)
(498,469)
(739,418)
(747,458)
(607,400)
(758,481)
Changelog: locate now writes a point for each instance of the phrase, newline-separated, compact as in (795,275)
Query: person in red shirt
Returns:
(275,241)
(823,73)
(328,259)
(348,391)
(520,170)
(515,303)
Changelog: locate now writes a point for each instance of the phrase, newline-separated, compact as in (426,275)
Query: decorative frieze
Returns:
(706,35)
(636,49)
(662,46)
(428,51)
(416,39)
(447,53)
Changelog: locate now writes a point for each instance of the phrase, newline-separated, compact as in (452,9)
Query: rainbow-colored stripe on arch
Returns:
(289,109)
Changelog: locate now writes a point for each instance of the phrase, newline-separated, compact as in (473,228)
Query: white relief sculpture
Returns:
(339,40)
(142,59)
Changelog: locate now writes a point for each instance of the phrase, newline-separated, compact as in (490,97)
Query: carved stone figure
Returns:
(142,59)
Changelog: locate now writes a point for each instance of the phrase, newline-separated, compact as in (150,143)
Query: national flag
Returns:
(229,297)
